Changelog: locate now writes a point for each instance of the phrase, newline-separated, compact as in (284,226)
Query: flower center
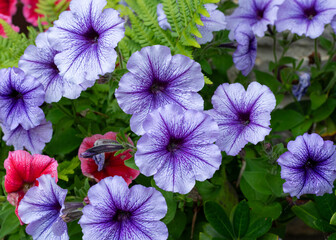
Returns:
(244,118)
(54,67)
(121,215)
(92,36)
(260,14)
(174,144)
(310,164)
(310,13)
(158,87)
(16,95)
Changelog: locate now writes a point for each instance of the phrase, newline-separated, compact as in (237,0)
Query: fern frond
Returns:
(13,47)
(173,15)
(49,10)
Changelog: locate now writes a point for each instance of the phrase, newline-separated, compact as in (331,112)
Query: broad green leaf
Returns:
(64,142)
(269,236)
(333,219)
(317,100)
(326,205)
(257,181)
(258,228)
(283,119)
(209,233)
(271,210)
(218,219)
(177,225)
(241,219)
(268,80)
(131,163)
(325,110)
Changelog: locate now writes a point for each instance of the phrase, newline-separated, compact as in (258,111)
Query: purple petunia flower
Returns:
(255,13)
(215,22)
(309,166)
(305,17)
(86,37)
(246,53)
(333,24)
(242,116)
(157,78)
(33,139)
(41,208)
(116,212)
(20,98)
(178,148)
(38,61)
(300,89)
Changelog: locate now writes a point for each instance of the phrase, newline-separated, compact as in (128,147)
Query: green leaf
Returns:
(67,168)
(241,219)
(218,219)
(258,228)
(326,205)
(302,128)
(333,219)
(177,225)
(64,142)
(209,233)
(317,100)
(325,110)
(332,237)
(269,236)
(272,210)
(131,163)
(268,80)
(283,119)
(257,181)
(8,219)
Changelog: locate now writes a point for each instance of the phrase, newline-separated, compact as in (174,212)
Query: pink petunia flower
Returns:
(111,165)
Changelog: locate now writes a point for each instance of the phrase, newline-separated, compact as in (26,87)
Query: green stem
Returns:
(316,57)
(121,59)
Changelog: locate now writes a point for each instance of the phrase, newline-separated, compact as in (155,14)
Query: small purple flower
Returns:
(333,24)
(33,139)
(116,212)
(41,208)
(162,17)
(38,61)
(86,37)
(157,78)
(300,89)
(255,13)
(246,53)
(309,166)
(178,148)
(242,116)
(20,98)
(305,17)
(215,22)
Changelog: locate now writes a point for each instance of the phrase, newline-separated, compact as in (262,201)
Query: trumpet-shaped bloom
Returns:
(41,208)
(33,140)
(20,98)
(255,13)
(305,17)
(300,89)
(309,166)
(157,78)
(246,53)
(38,61)
(215,22)
(86,37)
(178,148)
(242,116)
(116,212)
(22,170)
(112,165)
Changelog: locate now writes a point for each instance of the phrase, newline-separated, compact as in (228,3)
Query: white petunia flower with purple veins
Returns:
(20,98)
(157,78)
(309,166)
(242,115)
(41,208)
(246,53)
(178,148)
(255,13)
(307,17)
(215,22)
(116,212)
(33,139)
(38,61)
(86,37)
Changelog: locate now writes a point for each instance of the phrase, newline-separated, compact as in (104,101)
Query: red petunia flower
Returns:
(8,7)
(22,170)
(8,20)
(113,165)
(29,7)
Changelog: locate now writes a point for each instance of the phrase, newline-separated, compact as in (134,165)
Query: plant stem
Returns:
(316,57)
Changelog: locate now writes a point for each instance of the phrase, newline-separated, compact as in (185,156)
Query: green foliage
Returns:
(50,11)
(145,30)
(67,168)
(13,47)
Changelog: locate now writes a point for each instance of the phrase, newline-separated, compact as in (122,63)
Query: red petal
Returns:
(114,165)
(8,7)
(22,168)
